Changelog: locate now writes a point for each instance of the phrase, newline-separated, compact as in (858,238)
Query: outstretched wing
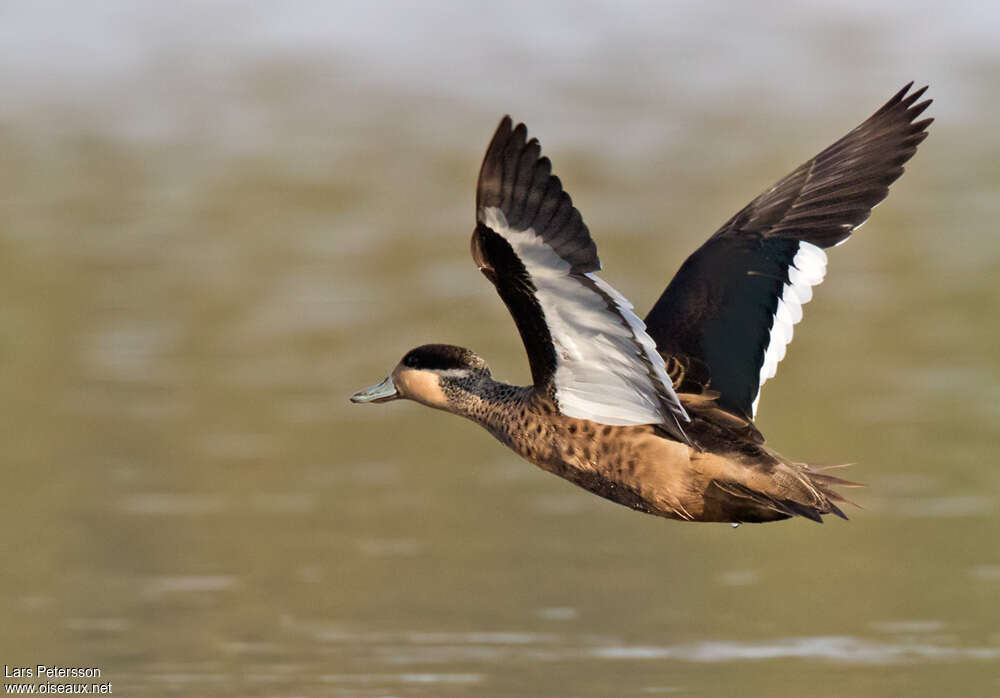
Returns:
(584,343)
(734,301)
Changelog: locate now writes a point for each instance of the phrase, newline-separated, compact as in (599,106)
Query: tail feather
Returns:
(813,499)
(837,511)
(824,483)
(787,507)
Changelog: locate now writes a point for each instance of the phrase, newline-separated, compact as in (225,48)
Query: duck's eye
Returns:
(411,360)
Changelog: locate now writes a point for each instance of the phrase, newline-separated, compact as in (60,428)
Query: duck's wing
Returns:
(734,301)
(585,345)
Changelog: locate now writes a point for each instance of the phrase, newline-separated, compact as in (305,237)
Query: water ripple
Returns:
(829,648)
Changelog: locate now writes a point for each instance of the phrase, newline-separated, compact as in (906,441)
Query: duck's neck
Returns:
(487,402)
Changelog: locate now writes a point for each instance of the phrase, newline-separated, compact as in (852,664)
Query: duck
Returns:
(658,414)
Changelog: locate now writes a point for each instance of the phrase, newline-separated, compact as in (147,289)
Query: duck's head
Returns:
(431,375)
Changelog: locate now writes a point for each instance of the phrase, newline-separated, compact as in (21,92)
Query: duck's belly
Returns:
(632,466)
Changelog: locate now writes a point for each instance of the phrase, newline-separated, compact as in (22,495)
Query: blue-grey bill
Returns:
(377,393)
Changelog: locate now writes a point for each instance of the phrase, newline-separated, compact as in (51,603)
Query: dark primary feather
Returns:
(518,180)
(719,307)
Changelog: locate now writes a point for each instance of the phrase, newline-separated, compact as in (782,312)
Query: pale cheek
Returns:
(421,386)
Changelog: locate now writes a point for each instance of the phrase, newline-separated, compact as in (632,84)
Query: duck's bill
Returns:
(383,392)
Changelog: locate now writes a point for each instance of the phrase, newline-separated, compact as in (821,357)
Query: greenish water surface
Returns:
(196,274)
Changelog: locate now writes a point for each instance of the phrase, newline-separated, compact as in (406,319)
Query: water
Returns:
(216,225)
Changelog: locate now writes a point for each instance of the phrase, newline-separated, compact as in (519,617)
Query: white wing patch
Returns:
(807,270)
(601,370)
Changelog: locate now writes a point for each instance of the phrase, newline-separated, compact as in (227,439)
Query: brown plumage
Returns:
(657,416)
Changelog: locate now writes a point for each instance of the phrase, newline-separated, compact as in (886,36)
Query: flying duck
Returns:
(658,414)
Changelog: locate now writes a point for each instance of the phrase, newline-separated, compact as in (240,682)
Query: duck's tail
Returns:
(824,484)
(810,494)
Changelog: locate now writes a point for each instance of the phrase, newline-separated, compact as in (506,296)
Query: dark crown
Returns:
(442,357)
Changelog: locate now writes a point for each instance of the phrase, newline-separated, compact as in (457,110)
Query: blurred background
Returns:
(218,219)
